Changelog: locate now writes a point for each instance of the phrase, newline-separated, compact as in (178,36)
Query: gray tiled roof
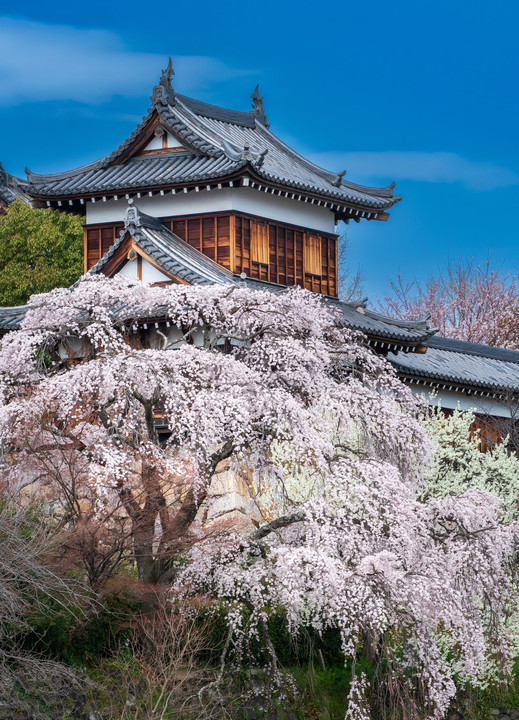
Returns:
(462,364)
(11,317)
(218,142)
(382,328)
(137,172)
(11,188)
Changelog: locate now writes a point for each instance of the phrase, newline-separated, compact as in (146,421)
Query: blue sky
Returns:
(420,92)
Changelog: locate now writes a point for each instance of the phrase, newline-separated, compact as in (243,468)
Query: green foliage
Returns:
(322,692)
(100,648)
(39,250)
(477,703)
(62,633)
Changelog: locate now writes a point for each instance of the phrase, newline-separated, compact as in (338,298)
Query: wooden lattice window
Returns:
(312,255)
(259,243)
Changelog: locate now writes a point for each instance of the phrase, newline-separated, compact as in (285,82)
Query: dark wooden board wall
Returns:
(263,249)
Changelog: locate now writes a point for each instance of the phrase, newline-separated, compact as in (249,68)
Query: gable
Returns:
(151,137)
(130,260)
(138,267)
(162,140)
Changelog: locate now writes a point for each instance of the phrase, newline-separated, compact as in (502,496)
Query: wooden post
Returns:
(232,242)
(85,249)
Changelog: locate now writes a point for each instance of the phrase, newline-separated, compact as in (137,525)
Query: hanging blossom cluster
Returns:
(422,587)
(274,384)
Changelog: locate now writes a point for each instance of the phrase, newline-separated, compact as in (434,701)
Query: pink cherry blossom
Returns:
(319,427)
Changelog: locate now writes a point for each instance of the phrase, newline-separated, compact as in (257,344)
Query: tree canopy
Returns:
(468,301)
(39,250)
(320,431)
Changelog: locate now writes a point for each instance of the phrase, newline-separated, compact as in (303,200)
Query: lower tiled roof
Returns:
(169,251)
(11,188)
(462,365)
(11,317)
(379,327)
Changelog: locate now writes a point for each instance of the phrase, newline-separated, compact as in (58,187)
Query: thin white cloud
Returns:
(42,62)
(433,167)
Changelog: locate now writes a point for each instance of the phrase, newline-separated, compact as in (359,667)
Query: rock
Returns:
(228,493)
(223,465)
(495,711)
(226,482)
(225,504)
(236,520)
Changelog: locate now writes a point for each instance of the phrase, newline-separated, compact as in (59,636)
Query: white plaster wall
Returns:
(453,400)
(149,272)
(129,269)
(156,143)
(173,142)
(241,199)
(161,206)
(283,209)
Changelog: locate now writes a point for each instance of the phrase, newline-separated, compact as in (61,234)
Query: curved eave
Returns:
(379,204)
(344,208)
(189,179)
(125,150)
(103,162)
(442,382)
(391,339)
(327,175)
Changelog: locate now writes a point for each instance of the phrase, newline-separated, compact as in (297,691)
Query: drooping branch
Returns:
(277,524)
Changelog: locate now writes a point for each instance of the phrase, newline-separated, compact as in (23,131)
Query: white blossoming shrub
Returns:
(458,463)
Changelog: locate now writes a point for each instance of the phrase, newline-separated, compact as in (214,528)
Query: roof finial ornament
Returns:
(337,182)
(261,157)
(258,109)
(167,74)
(3,175)
(132,216)
(163,92)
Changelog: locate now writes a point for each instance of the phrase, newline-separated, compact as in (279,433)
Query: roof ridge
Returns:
(217,112)
(328,175)
(177,126)
(465,347)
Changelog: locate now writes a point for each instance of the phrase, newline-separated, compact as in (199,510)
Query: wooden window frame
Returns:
(313,255)
(259,242)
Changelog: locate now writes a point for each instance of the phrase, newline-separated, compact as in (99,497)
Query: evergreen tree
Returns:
(39,250)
